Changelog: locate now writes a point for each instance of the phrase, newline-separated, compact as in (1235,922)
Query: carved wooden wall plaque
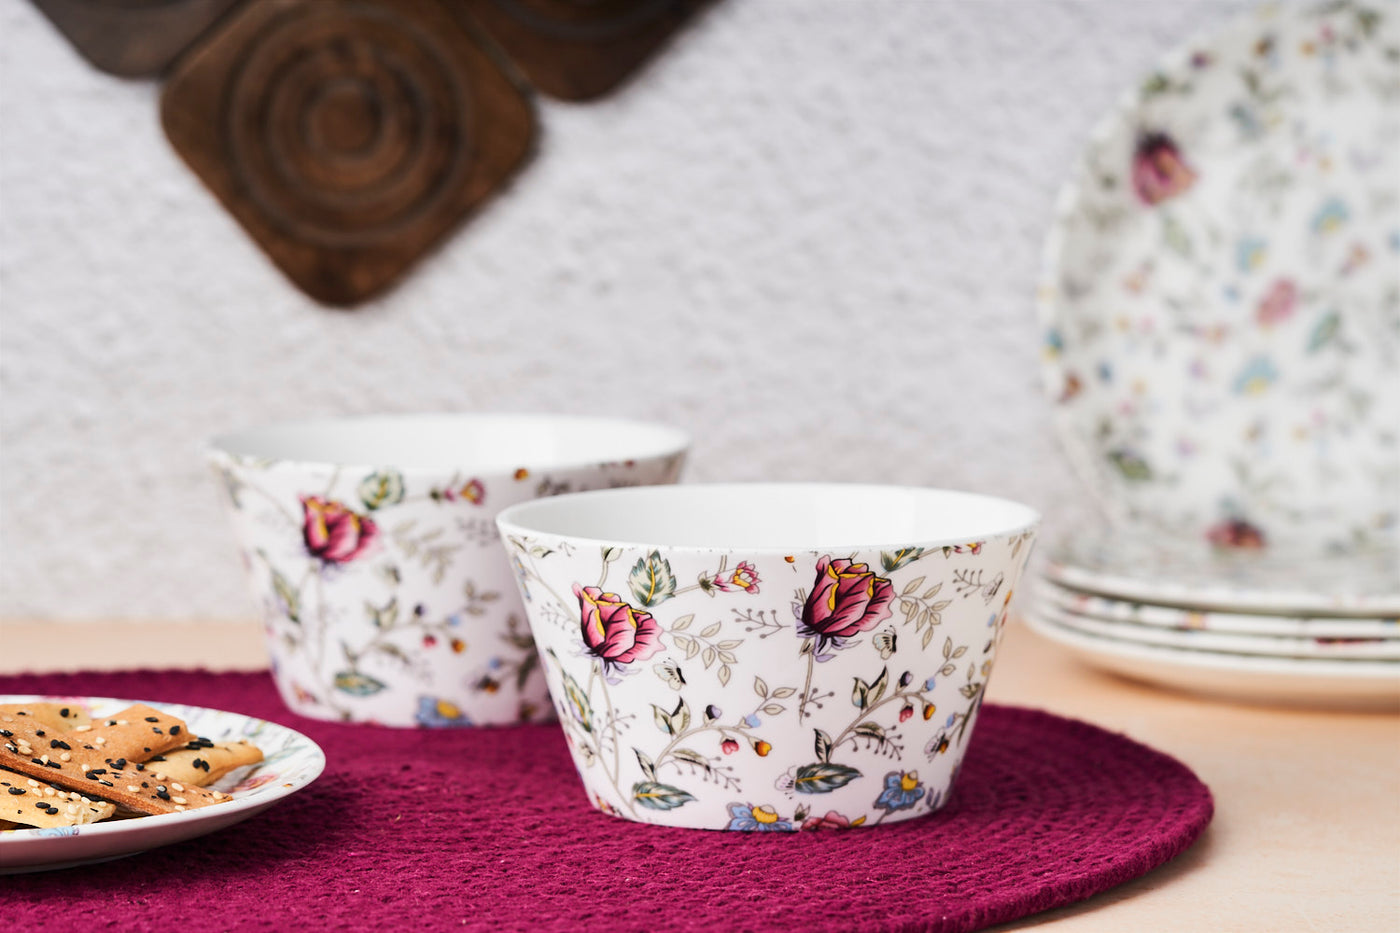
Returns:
(132,38)
(580,49)
(347,136)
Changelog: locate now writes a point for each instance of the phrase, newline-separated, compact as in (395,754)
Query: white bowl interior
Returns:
(760,516)
(480,442)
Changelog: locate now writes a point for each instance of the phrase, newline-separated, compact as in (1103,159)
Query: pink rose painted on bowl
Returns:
(1236,533)
(615,631)
(1278,303)
(744,577)
(846,598)
(333,533)
(1159,171)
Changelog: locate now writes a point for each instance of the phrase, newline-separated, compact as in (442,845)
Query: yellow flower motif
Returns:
(765,814)
(909,781)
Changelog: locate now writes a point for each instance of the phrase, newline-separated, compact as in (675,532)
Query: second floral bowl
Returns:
(371,546)
(768,657)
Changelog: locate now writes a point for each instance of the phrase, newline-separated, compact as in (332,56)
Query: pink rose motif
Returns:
(1278,304)
(613,630)
(744,577)
(832,820)
(333,533)
(1236,533)
(1159,171)
(846,598)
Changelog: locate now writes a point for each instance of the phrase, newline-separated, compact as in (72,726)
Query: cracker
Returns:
(131,735)
(204,762)
(29,802)
(135,787)
(57,715)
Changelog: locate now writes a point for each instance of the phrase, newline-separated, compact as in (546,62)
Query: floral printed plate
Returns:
(1351,649)
(291,761)
(1195,576)
(1283,681)
(1221,295)
(1239,623)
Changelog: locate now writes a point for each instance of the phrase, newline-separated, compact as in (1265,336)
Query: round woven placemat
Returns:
(490,830)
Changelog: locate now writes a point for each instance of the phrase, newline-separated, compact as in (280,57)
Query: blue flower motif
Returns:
(928,684)
(752,721)
(1330,216)
(436,713)
(749,819)
(902,791)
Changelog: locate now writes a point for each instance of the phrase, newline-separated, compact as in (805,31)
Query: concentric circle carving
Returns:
(345,125)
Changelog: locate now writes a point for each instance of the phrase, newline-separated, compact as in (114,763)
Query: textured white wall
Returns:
(809,234)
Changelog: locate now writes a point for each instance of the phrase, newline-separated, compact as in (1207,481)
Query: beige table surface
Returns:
(1306,833)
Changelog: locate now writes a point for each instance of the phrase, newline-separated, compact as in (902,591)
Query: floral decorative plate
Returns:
(1193,575)
(291,761)
(1352,649)
(1221,295)
(1286,681)
(1239,623)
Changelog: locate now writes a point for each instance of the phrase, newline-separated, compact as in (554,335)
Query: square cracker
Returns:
(23,749)
(28,802)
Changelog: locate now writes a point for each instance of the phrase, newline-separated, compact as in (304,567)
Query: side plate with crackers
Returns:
(99,786)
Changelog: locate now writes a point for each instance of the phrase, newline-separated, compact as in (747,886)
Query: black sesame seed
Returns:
(174,730)
(152,719)
(42,805)
(156,730)
(39,732)
(163,795)
(57,743)
(17,791)
(63,712)
(108,783)
(53,811)
(97,771)
(6,733)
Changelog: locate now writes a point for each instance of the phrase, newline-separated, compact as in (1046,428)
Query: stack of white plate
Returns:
(1222,311)
(1247,625)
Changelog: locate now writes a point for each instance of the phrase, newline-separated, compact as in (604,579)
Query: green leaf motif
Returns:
(645,763)
(578,703)
(291,599)
(357,684)
(651,580)
(823,745)
(380,489)
(823,777)
(894,560)
(1132,466)
(657,796)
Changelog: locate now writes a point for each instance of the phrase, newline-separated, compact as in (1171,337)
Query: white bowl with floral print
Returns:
(768,656)
(1221,296)
(372,550)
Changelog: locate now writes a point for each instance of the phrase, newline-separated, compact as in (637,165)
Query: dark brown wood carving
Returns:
(132,38)
(580,49)
(347,136)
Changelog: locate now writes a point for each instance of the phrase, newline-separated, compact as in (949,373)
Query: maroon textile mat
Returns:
(490,830)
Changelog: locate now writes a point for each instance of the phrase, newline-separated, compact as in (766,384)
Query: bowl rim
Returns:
(513,520)
(671,441)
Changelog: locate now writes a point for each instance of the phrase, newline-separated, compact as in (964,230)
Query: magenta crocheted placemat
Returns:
(490,830)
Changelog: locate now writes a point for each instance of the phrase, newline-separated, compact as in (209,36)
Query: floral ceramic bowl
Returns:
(371,547)
(768,657)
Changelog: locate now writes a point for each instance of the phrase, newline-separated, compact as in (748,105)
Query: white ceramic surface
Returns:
(768,657)
(1190,574)
(1353,649)
(290,762)
(371,547)
(1221,296)
(1211,620)
(1371,685)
